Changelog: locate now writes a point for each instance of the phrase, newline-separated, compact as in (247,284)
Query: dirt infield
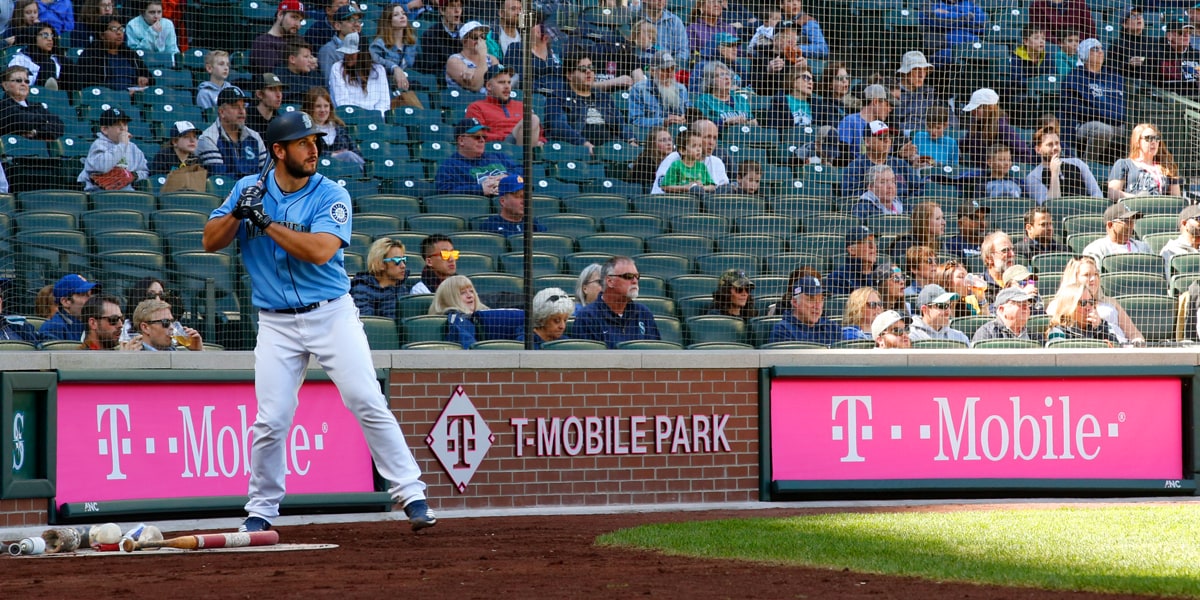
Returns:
(512,557)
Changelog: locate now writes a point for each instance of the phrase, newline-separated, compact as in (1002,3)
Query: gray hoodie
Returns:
(920,330)
(104,155)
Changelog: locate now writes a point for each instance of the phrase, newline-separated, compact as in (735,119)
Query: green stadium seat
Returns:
(1157,205)
(662,265)
(1083,224)
(549,243)
(1151,224)
(939,344)
(436,223)
(425,328)
(720,346)
(113,240)
(694,306)
(459,205)
(612,185)
(433,345)
(648,345)
(666,206)
(1004,208)
(58,345)
(793,346)
(821,244)
(820,180)
(635,224)
(498,345)
(1185,264)
(18,345)
(687,245)
(573,344)
(169,222)
(199,201)
(617,152)
(569,224)
(597,206)
(1077,343)
(559,150)
(470,264)
(670,329)
(1006,343)
(142,202)
(220,185)
(1051,262)
(719,262)
(1133,262)
(830,223)
(491,284)
(785,262)
(1124,284)
(686,286)
(800,206)
(660,306)
(716,328)
(376,225)
(970,324)
(577,261)
(733,206)
(68,201)
(482,242)
(1158,240)
(611,243)
(749,243)
(710,226)
(766,224)
(543,264)
(1078,241)
(1068,207)
(414,305)
(853,345)
(896,225)
(44,220)
(388,204)
(381,333)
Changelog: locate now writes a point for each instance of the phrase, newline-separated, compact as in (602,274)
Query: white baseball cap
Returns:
(470,26)
(350,44)
(982,97)
(886,319)
(914,59)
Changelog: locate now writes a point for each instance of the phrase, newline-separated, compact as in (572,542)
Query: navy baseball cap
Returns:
(857,234)
(511,183)
(809,286)
(113,116)
(72,284)
(468,126)
(231,94)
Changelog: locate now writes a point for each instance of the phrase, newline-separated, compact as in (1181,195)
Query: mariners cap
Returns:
(231,94)
(113,116)
(809,286)
(468,126)
(511,183)
(181,128)
(1120,211)
(858,233)
(970,208)
(662,60)
(72,284)
(347,12)
(935,294)
(885,320)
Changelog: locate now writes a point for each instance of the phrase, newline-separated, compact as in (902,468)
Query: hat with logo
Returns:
(113,116)
(72,284)
(1191,211)
(726,39)
(349,44)
(1015,273)
(935,294)
(270,80)
(470,26)
(1179,23)
(468,126)
(735,278)
(1120,211)
(885,271)
(858,233)
(230,95)
(511,183)
(662,60)
(885,320)
(1012,294)
(914,59)
(291,6)
(181,128)
(346,12)
(982,97)
(970,208)
(879,128)
(809,286)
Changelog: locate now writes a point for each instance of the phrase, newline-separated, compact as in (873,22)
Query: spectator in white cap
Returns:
(877,105)
(179,151)
(1091,107)
(1118,237)
(986,126)
(1188,241)
(915,97)
(1012,318)
(937,310)
(345,20)
(467,69)
(877,151)
(356,80)
(890,330)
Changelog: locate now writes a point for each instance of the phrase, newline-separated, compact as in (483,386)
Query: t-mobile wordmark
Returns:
(633,434)
(890,429)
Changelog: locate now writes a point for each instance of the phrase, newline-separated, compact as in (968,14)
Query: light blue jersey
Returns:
(281,280)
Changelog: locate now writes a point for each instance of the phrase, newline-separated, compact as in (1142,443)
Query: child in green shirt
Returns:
(688,174)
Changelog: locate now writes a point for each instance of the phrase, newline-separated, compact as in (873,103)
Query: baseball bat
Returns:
(206,541)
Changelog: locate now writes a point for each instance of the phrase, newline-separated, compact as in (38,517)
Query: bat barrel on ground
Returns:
(207,541)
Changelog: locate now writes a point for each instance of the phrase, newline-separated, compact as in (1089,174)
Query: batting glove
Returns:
(250,196)
(258,215)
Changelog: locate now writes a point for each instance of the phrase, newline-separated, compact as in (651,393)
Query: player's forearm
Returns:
(315,248)
(219,232)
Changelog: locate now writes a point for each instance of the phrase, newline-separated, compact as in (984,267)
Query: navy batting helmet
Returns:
(289,126)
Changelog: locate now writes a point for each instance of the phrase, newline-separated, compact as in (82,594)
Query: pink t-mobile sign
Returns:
(141,441)
(888,429)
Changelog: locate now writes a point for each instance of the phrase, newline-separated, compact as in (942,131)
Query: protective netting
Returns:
(990,116)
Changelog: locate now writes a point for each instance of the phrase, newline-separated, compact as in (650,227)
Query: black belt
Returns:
(300,310)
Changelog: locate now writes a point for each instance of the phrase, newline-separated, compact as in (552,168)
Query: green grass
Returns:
(1152,549)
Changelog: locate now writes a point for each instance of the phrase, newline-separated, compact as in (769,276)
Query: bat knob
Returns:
(128,545)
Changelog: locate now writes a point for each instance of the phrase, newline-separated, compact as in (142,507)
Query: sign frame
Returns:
(11,384)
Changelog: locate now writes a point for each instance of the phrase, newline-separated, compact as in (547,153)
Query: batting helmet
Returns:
(289,126)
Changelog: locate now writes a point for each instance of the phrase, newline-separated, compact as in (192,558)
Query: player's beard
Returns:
(299,169)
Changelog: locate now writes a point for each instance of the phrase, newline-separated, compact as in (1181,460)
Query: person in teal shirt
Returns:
(719,102)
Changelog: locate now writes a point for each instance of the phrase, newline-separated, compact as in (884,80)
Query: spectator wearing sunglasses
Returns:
(862,307)
(157,329)
(862,254)
(1073,316)
(441,262)
(937,309)
(734,296)
(891,330)
(144,289)
(510,220)
(890,281)
(376,290)
(471,169)
(551,309)
(1012,318)
(615,316)
(1018,276)
(102,313)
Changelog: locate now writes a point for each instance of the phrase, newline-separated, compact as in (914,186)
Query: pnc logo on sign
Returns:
(460,438)
(18,441)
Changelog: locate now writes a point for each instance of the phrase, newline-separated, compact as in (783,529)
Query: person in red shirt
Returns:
(501,114)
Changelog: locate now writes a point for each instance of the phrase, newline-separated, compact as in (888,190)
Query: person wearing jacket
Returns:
(111,151)
(20,117)
(934,320)
(578,116)
(456,298)
(110,63)
(1092,106)
(376,290)
(470,170)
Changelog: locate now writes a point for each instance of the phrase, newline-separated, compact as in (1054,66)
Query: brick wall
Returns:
(505,480)
(23,512)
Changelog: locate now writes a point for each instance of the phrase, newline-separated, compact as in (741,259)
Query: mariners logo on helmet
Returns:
(339,212)
(307,120)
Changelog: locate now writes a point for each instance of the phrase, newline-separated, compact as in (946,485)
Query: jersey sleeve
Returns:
(334,212)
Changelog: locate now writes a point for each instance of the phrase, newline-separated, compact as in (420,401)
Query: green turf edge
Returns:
(1145,549)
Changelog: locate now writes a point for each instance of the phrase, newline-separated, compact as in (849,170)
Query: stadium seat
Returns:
(1083,224)
(687,245)
(715,328)
(470,264)
(597,206)
(686,286)
(433,223)
(28,221)
(670,329)
(414,305)
(694,306)
(635,224)
(785,262)
(482,242)
(617,152)
(1123,284)
(18,345)
(662,265)
(142,202)
(831,223)
(381,333)
(611,243)
(1006,343)
(68,201)
(577,261)
(498,345)
(543,264)
(433,344)
(1078,241)
(168,222)
(1067,207)
(666,206)
(459,205)
(388,204)
(140,240)
(800,206)
(969,325)
(939,344)
(648,345)
(492,284)
(1133,262)
(749,243)
(853,345)
(766,224)
(1185,264)
(573,344)
(821,244)
(611,185)
(570,225)
(1157,205)
(376,225)
(733,206)
(424,328)
(1077,343)
(719,262)
(1050,262)
(1151,224)
(549,243)
(710,226)
(660,306)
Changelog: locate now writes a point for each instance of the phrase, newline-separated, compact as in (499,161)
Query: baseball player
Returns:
(291,229)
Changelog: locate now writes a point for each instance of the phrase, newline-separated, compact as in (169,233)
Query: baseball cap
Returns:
(857,234)
(914,59)
(885,320)
(875,92)
(1085,49)
(468,126)
(1179,23)
(971,208)
(1015,273)
(1012,294)
(495,70)
(1191,211)
(230,95)
(662,60)
(470,26)
(270,80)
(935,294)
(1129,10)
(291,6)
(789,24)
(735,278)
(181,127)
(982,97)
(1120,211)
(349,44)
(346,12)
(511,183)
(724,39)
(879,128)
(809,286)
(72,284)
(113,116)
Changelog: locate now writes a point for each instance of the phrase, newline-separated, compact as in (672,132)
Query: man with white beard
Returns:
(658,100)
(614,316)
